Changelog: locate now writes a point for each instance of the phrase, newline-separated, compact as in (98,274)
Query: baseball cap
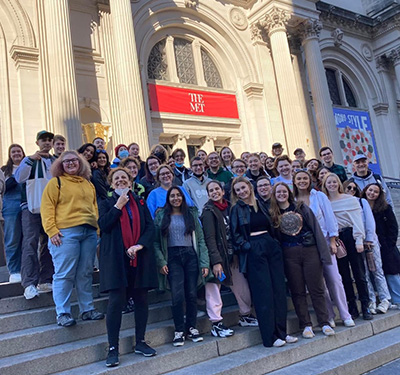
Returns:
(359,157)
(277,145)
(44,134)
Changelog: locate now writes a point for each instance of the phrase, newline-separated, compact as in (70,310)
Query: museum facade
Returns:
(204,74)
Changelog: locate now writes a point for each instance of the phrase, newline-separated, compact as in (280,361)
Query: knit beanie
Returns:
(118,147)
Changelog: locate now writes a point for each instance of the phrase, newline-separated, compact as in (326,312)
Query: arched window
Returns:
(184,59)
(339,89)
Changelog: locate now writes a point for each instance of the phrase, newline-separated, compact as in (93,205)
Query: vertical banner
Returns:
(356,137)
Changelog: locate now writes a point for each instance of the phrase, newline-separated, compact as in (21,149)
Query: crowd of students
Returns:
(250,224)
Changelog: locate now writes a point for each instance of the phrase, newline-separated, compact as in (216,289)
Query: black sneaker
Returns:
(219,330)
(366,313)
(179,339)
(353,310)
(248,321)
(194,335)
(130,307)
(112,357)
(92,315)
(65,320)
(142,348)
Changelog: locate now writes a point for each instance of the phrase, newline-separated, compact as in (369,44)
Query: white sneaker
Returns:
(291,339)
(278,343)
(328,331)
(31,292)
(394,306)
(332,323)
(308,333)
(372,308)
(15,278)
(349,323)
(383,306)
(45,287)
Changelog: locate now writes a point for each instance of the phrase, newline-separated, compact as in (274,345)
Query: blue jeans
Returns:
(73,264)
(12,234)
(183,273)
(393,282)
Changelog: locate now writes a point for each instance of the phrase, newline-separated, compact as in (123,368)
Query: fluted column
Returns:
(394,56)
(133,126)
(275,25)
(64,97)
(112,80)
(310,30)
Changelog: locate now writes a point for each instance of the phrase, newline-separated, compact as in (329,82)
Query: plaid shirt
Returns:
(339,171)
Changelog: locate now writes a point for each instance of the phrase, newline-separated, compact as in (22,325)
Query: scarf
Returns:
(221,206)
(130,225)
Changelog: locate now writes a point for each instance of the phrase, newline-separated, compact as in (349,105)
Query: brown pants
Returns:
(303,268)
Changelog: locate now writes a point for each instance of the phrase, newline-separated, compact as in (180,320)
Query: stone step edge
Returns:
(258,362)
(221,352)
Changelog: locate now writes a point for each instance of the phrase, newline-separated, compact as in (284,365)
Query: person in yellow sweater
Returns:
(69,216)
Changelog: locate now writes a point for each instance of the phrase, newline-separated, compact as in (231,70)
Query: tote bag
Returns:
(35,187)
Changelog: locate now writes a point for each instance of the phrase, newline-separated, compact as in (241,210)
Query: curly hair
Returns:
(57,169)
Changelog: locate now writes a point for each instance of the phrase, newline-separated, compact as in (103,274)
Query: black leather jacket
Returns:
(240,229)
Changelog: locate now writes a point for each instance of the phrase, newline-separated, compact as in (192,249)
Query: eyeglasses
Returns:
(263,186)
(197,165)
(101,151)
(70,161)
(239,167)
(165,174)
(351,188)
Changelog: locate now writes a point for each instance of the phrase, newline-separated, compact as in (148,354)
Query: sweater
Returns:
(71,204)
(197,190)
(349,214)
(222,175)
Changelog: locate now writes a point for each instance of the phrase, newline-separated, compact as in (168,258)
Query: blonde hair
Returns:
(335,176)
(235,198)
(84,170)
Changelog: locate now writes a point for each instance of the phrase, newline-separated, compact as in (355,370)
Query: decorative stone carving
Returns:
(394,56)
(337,36)
(310,28)
(257,32)
(382,63)
(238,19)
(191,4)
(276,19)
(366,52)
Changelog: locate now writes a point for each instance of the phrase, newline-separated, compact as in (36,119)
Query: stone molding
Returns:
(394,56)
(381,109)
(253,90)
(25,57)
(382,63)
(238,19)
(275,20)
(191,4)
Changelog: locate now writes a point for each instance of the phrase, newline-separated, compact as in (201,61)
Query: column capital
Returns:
(382,63)
(394,56)
(275,20)
(310,29)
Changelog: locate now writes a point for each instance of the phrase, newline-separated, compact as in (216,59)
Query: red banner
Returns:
(192,102)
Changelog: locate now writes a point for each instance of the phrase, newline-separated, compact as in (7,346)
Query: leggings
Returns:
(116,302)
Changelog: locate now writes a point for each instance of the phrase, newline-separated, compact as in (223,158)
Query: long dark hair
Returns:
(185,211)
(295,189)
(275,210)
(84,147)
(108,164)
(380,204)
(148,175)
(8,168)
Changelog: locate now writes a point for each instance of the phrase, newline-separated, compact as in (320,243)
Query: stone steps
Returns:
(340,354)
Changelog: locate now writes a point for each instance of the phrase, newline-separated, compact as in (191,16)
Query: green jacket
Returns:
(161,248)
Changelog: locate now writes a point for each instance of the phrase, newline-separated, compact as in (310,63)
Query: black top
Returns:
(298,238)
(258,221)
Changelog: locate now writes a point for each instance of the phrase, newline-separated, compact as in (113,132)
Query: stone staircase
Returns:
(32,344)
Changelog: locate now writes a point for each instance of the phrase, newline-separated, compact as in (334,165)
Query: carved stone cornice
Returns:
(275,20)
(191,4)
(254,90)
(310,28)
(25,57)
(394,56)
(258,34)
(381,109)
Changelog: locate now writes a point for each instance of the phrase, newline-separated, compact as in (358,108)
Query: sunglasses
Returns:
(351,188)
(101,151)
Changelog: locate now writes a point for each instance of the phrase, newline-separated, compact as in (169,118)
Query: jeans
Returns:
(183,273)
(33,270)
(73,264)
(12,234)
(393,282)
(378,278)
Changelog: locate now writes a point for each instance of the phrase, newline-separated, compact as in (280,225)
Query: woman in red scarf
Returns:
(225,265)
(126,260)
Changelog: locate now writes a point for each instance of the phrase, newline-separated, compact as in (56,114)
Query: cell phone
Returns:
(222,278)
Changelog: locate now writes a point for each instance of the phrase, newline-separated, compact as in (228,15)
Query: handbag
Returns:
(341,251)
(35,187)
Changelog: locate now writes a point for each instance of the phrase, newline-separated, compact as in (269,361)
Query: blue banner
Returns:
(356,137)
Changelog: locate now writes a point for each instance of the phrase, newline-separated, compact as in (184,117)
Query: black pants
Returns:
(183,273)
(116,302)
(356,260)
(266,279)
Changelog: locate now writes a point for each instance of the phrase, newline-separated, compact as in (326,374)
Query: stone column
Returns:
(133,119)
(208,145)
(328,134)
(64,97)
(395,59)
(275,25)
(181,142)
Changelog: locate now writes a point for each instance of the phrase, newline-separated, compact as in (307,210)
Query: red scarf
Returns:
(130,233)
(222,206)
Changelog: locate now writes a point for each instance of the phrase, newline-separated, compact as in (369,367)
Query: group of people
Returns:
(253,224)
